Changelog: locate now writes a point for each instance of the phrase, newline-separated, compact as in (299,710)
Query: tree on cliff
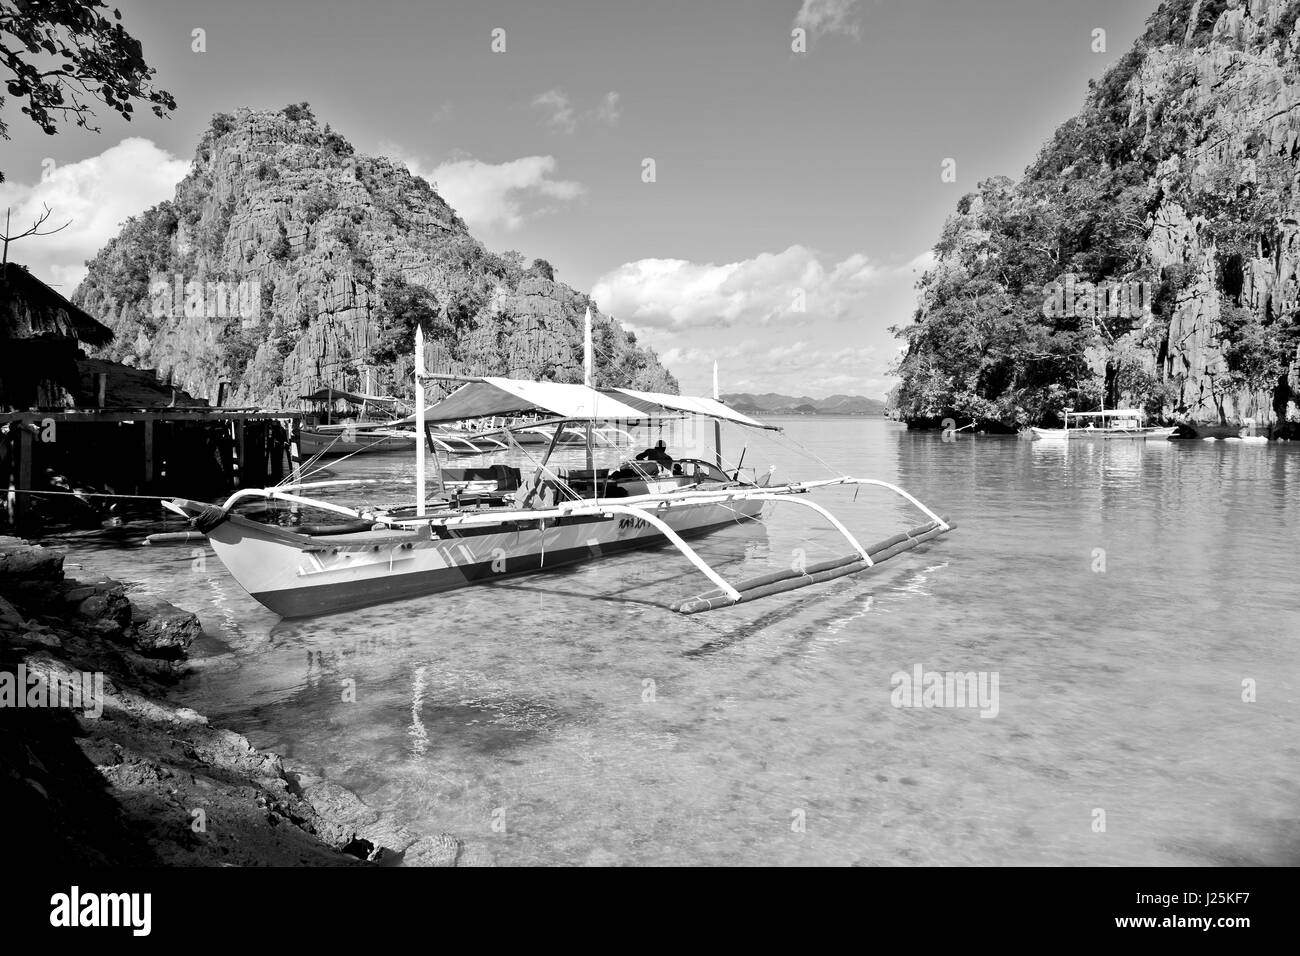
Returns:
(1167,178)
(100,61)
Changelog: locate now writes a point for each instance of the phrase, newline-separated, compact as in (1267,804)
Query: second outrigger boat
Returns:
(1118,423)
(498,523)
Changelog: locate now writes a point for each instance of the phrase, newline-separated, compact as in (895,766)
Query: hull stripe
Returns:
(350,595)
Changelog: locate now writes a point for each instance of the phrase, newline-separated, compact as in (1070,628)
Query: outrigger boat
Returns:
(1118,423)
(493,523)
(359,433)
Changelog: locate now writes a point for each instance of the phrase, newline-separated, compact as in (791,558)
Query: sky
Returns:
(795,194)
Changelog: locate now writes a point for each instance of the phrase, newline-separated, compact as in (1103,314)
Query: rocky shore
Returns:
(96,768)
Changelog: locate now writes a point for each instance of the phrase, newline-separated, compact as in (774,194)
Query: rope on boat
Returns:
(86,494)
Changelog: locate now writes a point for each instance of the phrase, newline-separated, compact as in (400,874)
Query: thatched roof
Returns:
(29,308)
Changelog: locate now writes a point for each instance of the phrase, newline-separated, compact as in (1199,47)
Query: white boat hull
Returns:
(336,443)
(296,575)
(1103,434)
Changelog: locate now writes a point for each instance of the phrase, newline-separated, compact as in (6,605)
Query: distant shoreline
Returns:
(789,414)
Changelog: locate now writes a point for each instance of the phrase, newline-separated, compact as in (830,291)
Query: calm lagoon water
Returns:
(1120,592)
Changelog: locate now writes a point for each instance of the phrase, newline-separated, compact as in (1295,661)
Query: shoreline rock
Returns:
(145,782)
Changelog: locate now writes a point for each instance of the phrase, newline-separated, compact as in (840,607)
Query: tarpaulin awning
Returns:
(655,401)
(338,395)
(488,397)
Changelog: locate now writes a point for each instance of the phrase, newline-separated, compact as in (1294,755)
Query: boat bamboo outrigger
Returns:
(492,522)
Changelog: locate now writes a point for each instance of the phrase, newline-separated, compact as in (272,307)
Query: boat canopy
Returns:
(488,397)
(338,395)
(653,402)
(1111,413)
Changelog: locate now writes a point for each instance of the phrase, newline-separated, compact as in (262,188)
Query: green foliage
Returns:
(981,346)
(238,346)
(1285,25)
(299,113)
(543,269)
(280,248)
(1169,22)
(318,202)
(100,62)
(469,271)
(1210,12)
(222,123)
(1257,353)
(335,143)
(401,307)
(1242,215)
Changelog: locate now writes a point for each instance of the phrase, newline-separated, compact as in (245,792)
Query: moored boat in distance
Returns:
(365,428)
(1118,423)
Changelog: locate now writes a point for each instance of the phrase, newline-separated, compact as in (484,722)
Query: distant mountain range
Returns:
(770,403)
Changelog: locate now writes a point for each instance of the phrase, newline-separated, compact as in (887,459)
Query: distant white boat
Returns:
(1118,423)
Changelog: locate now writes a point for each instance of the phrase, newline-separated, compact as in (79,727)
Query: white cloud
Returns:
(799,367)
(559,113)
(828,16)
(491,195)
(769,288)
(98,194)
(609,110)
(742,314)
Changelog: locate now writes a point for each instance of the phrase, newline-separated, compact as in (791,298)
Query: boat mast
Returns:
(717,425)
(419,421)
(588,379)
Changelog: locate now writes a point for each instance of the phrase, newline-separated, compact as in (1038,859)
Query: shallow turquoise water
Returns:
(600,727)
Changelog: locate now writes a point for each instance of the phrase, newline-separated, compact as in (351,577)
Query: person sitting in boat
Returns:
(659,455)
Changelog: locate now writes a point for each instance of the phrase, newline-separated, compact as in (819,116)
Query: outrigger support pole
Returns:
(676,540)
(839,526)
(883,484)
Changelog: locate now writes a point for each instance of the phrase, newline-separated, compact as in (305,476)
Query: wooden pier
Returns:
(76,431)
(195,452)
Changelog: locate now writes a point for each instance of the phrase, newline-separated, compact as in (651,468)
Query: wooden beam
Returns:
(36,416)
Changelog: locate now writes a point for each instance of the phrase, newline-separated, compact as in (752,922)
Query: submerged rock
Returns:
(162,629)
(21,561)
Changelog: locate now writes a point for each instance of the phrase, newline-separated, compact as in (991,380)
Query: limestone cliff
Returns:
(1178,179)
(286,262)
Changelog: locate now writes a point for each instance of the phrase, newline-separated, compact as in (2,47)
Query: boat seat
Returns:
(507,478)
(585,474)
(638,469)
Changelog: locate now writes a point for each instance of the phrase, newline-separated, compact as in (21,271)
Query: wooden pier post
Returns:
(295,446)
(20,475)
(148,453)
(12,496)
